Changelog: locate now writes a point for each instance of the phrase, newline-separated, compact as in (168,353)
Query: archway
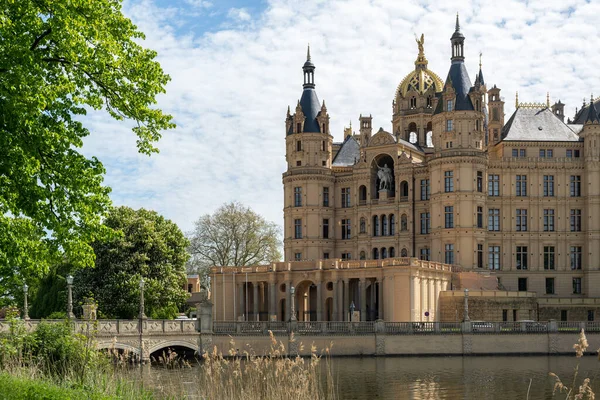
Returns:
(429,135)
(362,194)
(172,352)
(380,162)
(412,136)
(306,301)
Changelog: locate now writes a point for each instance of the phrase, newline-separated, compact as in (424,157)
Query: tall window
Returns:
(383,253)
(448,181)
(493,219)
(575,185)
(425,254)
(392,224)
(346,256)
(375,225)
(521,257)
(298,229)
(449,217)
(522,285)
(425,189)
(494,257)
(548,220)
(325,197)
(548,185)
(480,217)
(521,219)
(549,285)
(449,125)
(521,185)
(425,223)
(297,197)
(493,185)
(577,290)
(384,225)
(480,255)
(479,181)
(549,257)
(345,197)
(413,102)
(392,252)
(346,229)
(575,257)
(546,153)
(375,253)
(521,153)
(297,256)
(576,220)
(449,105)
(325,228)
(298,142)
(449,253)
(571,153)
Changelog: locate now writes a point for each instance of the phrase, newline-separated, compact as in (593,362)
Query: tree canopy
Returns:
(148,246)
(233,236)
(58,60)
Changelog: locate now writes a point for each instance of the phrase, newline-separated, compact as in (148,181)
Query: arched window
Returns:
(413,137)
(403,223)
(392,252)
(383,253)
(404,191)
(392,224)
(363,225)
(412,133)
(384,226)
(404,253)
(375,225)
(375,254)
(429,135)
(362,255)
(429,102)
(362,194)
(413,102)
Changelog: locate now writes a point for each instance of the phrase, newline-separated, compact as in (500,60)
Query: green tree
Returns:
(58,60)
(233,236)
(148,246)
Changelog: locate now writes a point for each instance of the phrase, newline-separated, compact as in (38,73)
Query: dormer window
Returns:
(449,105)
(413,102)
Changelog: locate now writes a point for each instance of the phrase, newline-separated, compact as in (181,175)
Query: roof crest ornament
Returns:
(532,104)
(308,53)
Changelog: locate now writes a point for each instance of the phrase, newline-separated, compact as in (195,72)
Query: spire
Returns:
(517,100)
(481,80)
(548,99)
(309,71)
(592,115)
(308,53)
(458,42)
(457,29)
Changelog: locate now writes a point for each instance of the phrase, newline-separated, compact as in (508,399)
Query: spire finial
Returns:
(457,24)
(592,99)
(480,54)
(308,53)
(548,99)
(517,100)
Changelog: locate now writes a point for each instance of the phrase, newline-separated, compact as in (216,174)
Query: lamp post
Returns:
(352,308)
(142,315)
(466,319)
(25,307)
(292,308)
(70,314)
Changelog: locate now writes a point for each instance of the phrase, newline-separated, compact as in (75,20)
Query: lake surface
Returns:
(424,378)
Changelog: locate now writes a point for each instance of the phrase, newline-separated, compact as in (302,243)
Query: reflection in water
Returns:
(424,378)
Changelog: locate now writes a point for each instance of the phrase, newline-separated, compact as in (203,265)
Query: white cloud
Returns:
(239,14)
(231,88)
(199,3)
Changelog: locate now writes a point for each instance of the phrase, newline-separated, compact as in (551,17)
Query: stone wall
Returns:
(488,306)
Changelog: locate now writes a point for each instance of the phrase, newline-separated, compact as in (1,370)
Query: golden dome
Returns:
(421,79)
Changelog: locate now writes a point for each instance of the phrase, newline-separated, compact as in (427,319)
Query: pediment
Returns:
(382,138)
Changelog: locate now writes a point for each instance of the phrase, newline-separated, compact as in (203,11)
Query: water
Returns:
(426,378)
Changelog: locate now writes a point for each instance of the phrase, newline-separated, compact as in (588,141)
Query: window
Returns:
(375,254)
(546,153)
(449,217)
(362,255)
(449,125)
(493,219)
(325,228)
(563,315)
(345,197)
(521,257)
(479,181)
(521,185)
(494,257)
(576,220)
(425,189)
(449,254)
(392,252)
(522,285)
(298,142)
(403,222)
(449,105)
(480,217)
(413,102)
(577,288)
(325,256)
(575,186)
(480,256)
(297,197)
(549,257)
(297,256)
(515,311)
(519,153)
(425,223)
(493,185)
(521,220)
(297,229)
(548,220)
(572,153)
(548,185)
(425,254)
(298,163)
(575,257)
(383,253)
(549,285)
(346,256)
(428,101)
(449,181)
(504,315)
(404,253)
(346,229)
(590,315)
(325,197)
(392,224)
(363,225)
(375,225)
(448,145)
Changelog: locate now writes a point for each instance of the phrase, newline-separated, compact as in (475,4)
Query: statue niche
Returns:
(382,177)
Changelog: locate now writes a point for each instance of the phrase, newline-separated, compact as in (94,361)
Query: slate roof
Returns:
(576,127)
(592,114)
(582,114)
(459,78)
(411,145)
(311,108)
(348,154)
(537,124)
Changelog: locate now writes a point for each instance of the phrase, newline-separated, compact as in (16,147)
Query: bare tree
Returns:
(233,236)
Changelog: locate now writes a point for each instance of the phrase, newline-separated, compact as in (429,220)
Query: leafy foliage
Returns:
(148,246)
(233,236)
(50,295)
(58,60)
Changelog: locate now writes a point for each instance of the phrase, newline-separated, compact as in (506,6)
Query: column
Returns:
(362,292)
(255,301)
(431,301)
(438,289)
(272,302)
(372,312)
(288,300)
(340,300)
(346,307)
(319,301)
(334,303)
(380,299)
(416,298)
(423,299)
(241,307)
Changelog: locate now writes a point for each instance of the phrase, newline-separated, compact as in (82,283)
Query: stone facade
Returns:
(488,306)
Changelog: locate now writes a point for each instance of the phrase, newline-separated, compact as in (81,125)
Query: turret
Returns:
(366,130)
(558,109)
(496,116)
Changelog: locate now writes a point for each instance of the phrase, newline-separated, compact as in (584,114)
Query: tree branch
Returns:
(38,39)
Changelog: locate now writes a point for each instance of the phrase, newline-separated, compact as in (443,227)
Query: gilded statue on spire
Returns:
(421,60)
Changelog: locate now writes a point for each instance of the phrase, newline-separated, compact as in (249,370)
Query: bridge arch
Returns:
(171,344)
(108,345)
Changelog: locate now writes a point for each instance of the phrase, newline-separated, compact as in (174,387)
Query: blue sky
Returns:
(236,66)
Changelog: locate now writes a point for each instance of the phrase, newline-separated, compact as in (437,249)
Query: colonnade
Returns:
(424,297)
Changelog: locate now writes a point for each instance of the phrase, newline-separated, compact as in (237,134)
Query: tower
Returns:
(308,182)
(558,109)
(366,129)
(496,116)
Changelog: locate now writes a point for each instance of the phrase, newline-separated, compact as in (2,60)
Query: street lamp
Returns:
(142,315)
(25,307)
(70,314)
(293,309)
(466,305)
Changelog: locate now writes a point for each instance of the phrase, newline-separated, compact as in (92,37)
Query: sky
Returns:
(235,66)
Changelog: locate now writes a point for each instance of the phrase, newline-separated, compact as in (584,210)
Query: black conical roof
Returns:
(592,115)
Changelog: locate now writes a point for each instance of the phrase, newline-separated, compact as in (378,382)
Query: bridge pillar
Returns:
(205,326)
